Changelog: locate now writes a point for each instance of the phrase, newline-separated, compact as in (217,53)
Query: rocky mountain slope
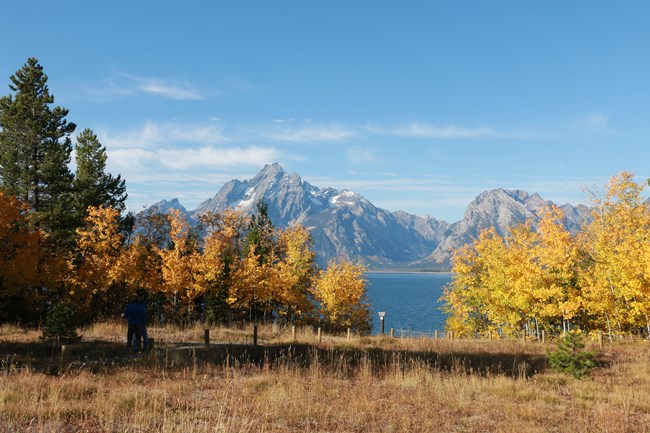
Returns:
(501,209)
(345,224)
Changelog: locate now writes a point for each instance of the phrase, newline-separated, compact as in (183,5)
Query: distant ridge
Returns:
(345,224)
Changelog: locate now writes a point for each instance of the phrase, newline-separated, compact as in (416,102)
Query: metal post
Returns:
(381,314)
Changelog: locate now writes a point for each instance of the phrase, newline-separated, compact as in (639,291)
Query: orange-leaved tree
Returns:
(19,262)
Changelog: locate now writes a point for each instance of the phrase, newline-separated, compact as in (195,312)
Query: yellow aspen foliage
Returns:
(559,295)
(464,298)
(141,263)
(181,263)
(526,278)
(596,280)
(617,286)
(340,291)
(483,296)
(96,268)
(222,250)
(292,274)
(19,256)
(223,245)
(141,267)
(250,288)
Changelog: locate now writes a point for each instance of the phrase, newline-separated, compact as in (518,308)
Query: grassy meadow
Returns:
(367,384)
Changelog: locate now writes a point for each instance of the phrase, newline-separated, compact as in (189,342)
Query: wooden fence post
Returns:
(193,362)
(600,340)
(349,335)
(64,350)
(392,332)
(320,336)
(543,337)
(435,334)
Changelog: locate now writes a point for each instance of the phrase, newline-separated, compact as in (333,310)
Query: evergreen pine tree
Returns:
(92,185)
(60,325)
(259,237)
(35,149)
(571,357)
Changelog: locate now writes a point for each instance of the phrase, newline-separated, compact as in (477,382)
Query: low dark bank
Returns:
(106,357)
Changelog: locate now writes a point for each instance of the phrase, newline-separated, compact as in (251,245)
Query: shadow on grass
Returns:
(104,357)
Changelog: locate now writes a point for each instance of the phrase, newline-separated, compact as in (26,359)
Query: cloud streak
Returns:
(425,130)
(153,134)
(309,133)
(189,158)
(160,88)
(121,85)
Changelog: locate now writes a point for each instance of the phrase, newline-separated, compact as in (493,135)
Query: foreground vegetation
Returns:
(365,384)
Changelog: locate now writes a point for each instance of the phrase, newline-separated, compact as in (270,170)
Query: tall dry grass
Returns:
(337,394)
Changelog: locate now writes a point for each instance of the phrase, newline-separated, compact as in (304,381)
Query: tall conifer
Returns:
(93,186)
(35,149)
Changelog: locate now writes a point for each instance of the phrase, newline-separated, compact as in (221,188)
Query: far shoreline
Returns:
(401,271)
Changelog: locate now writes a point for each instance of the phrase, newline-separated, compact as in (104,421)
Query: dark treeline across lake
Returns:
(410,301)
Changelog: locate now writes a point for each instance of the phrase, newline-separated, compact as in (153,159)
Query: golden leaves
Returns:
(546,276)
(340,291)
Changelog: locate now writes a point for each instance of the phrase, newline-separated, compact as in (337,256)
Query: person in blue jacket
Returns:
(135,314)
(143,325)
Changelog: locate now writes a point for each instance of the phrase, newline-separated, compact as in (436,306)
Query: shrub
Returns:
(60,325)
(571,358)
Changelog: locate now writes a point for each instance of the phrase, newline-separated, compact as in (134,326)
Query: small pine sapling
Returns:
(571,358)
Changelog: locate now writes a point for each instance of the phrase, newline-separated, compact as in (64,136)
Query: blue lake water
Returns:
(410,301)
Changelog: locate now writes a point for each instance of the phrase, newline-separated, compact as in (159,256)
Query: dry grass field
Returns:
(370,384)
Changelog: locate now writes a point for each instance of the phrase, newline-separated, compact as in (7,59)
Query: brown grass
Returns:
(363,385)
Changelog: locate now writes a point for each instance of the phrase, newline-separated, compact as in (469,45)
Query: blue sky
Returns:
(417,105)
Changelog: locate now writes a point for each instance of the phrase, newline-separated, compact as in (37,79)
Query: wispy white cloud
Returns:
(153,134)
(157,87)
(425,130)
(361,156)
(217,157)
(592,122)
(396,184)
(122,84)
(179,152)
(169,163)
(307,133)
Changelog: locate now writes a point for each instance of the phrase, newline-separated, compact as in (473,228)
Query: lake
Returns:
(410,301)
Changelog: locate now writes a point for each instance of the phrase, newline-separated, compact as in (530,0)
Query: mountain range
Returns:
(345,224)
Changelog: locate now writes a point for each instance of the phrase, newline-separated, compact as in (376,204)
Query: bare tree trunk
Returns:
(609,327)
